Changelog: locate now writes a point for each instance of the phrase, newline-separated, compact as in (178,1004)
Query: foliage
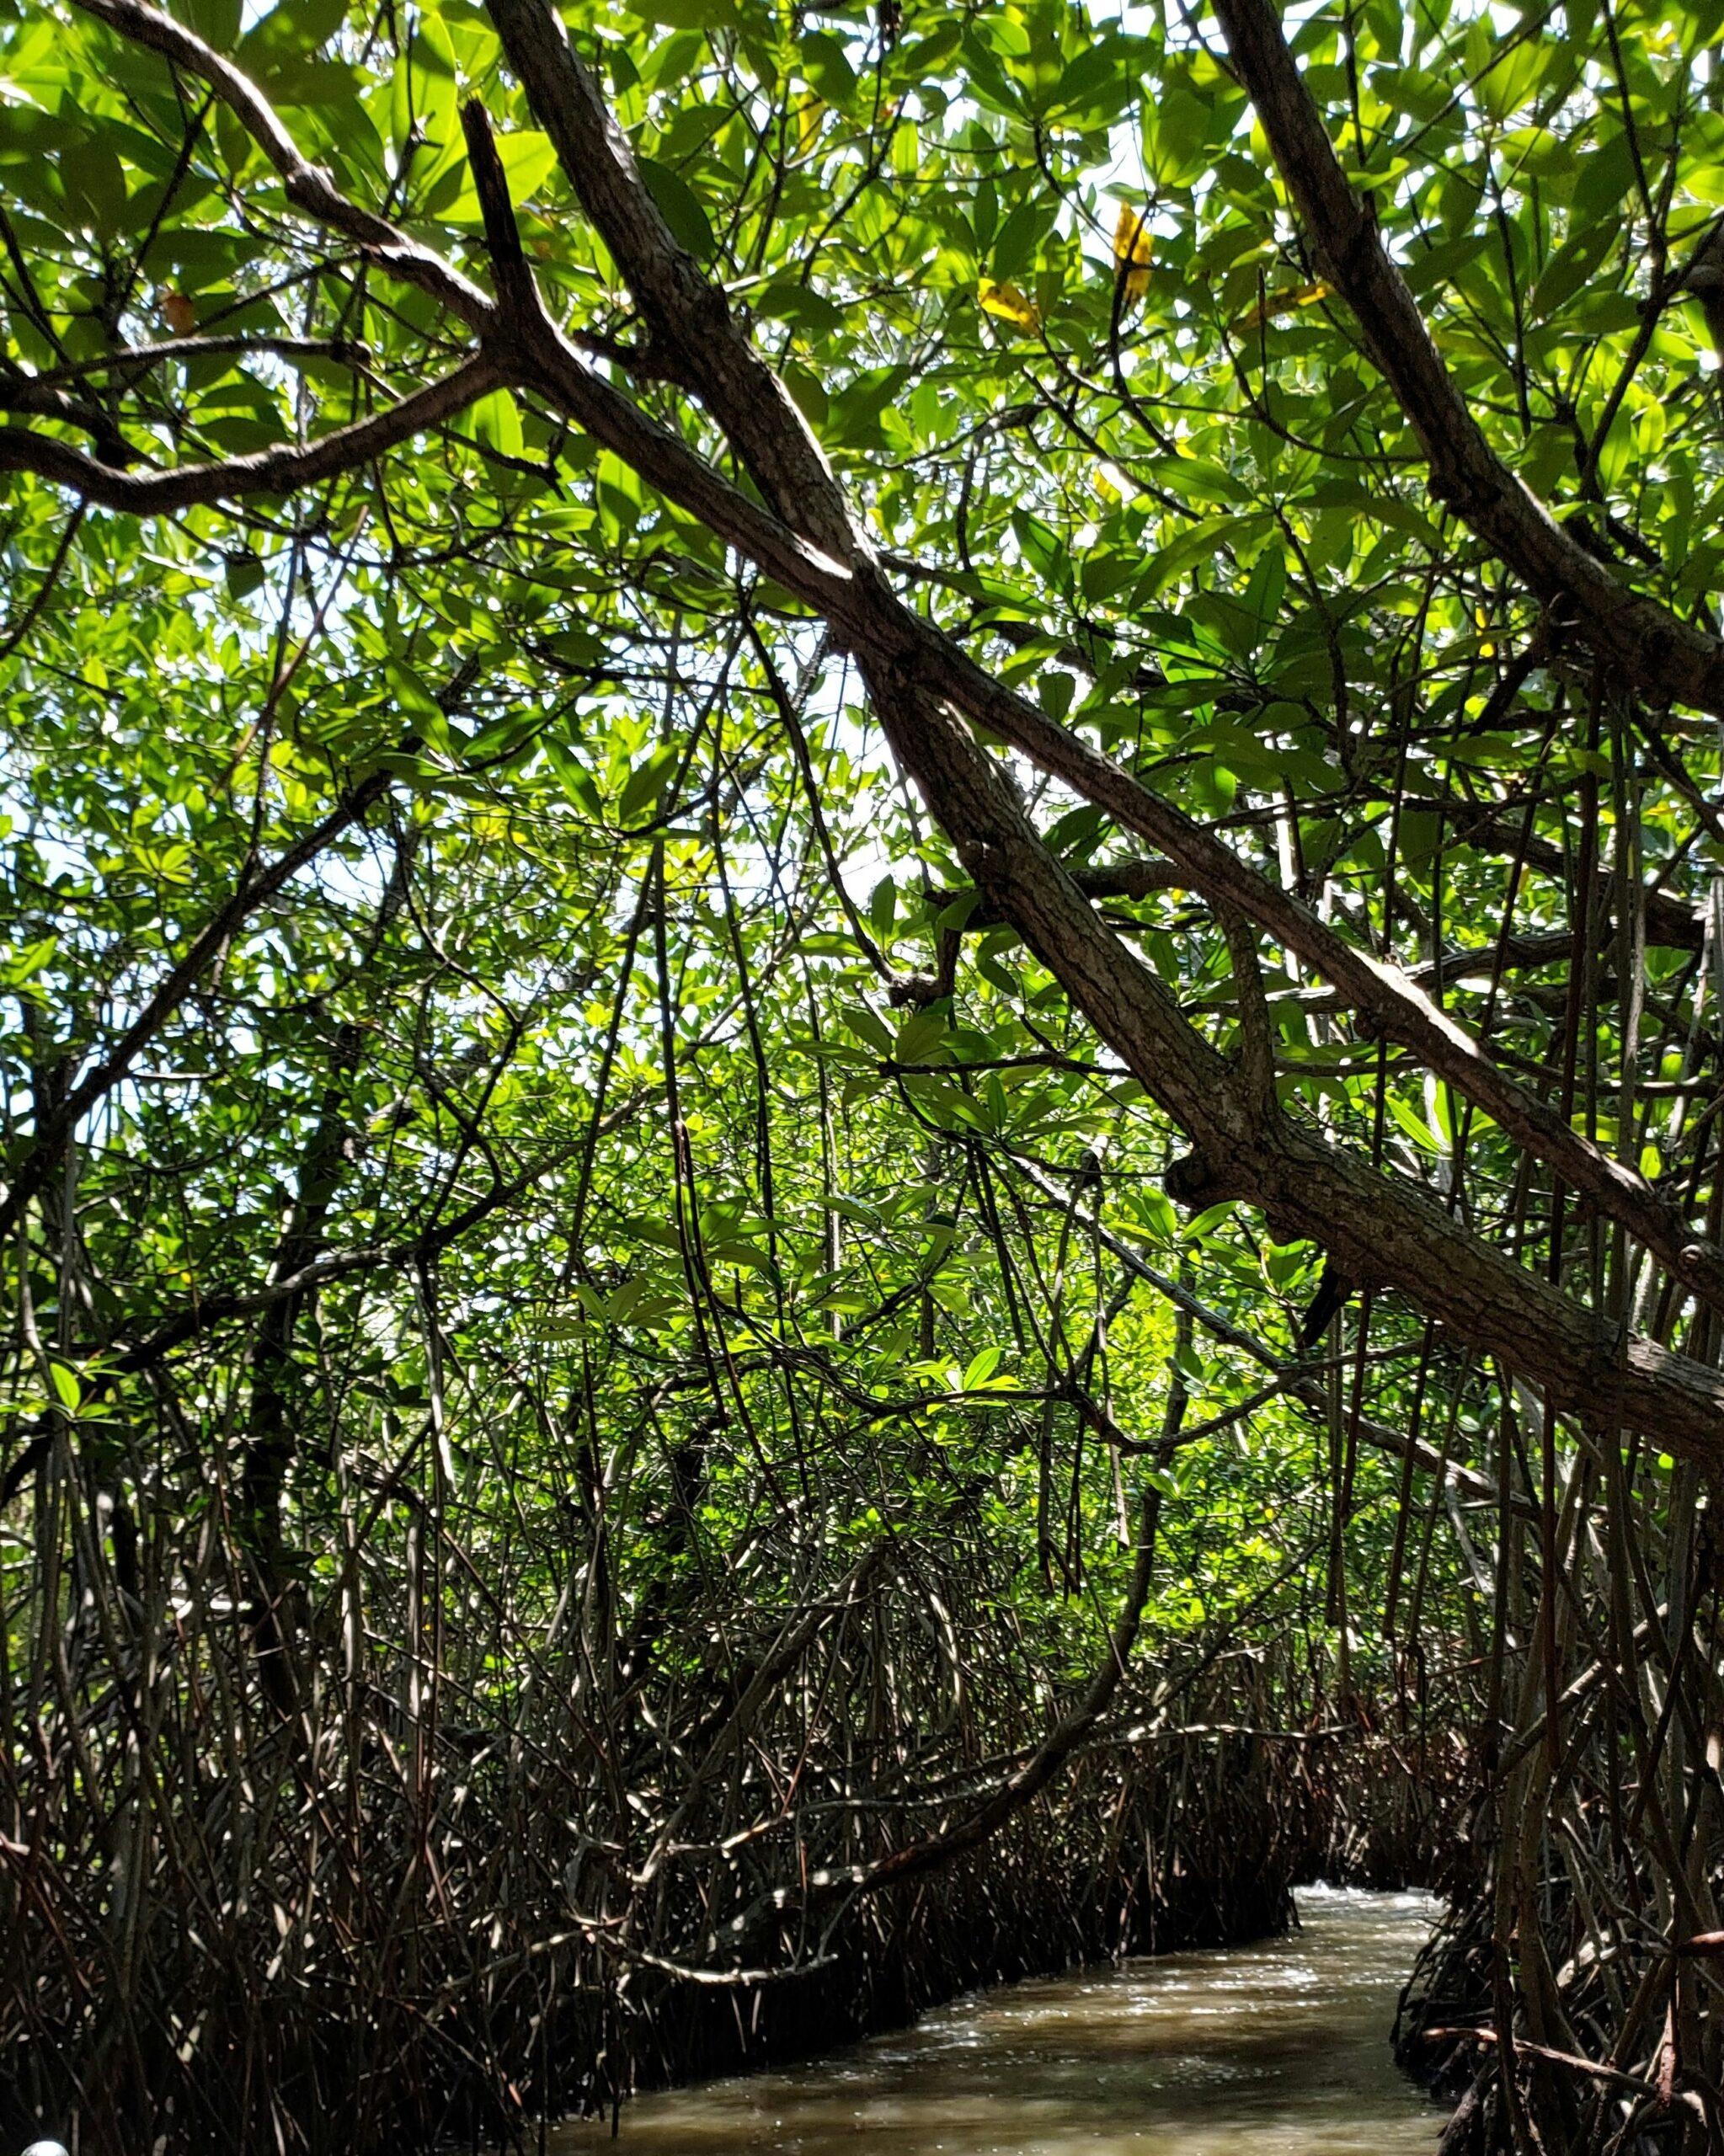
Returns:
(511,1055)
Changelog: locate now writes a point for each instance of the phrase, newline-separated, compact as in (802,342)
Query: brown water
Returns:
(1280,2050)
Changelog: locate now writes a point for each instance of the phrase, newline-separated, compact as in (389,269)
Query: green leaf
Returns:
(1513,80)
(980,1368)
(292,30)
(26,962)
(807,309)
(528,161)
(1175,136)
(243,573)
(1014,249)
(680,208)
(950,919)
(431,69)
(826,68)
(918,1036)
(494,422)
(217,22)
(1415,1126)
(95,186)
(685,14)
(871,1030)
(1606,178)
(647,783)
(1567,271)
(415,699)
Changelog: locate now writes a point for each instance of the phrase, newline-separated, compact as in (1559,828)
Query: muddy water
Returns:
(1279,2049)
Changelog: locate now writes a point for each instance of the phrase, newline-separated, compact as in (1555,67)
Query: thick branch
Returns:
(686,314)
(1660,653)
(1399,1010)
(1378,1228)
(868,619)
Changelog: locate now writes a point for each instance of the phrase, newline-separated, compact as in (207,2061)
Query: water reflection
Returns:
(1280,2049)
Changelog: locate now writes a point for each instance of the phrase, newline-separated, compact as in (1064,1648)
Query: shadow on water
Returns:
(1280,2048)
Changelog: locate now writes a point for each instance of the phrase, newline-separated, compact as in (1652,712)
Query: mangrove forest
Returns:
(861,1040)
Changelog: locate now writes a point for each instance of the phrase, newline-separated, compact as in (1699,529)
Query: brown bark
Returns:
(1661,654)
(281,471)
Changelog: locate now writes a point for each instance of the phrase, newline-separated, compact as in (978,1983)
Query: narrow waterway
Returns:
(1281,2049)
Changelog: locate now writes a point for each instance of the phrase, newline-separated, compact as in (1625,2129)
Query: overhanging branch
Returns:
(281,471)
(1660,653)
(309,186)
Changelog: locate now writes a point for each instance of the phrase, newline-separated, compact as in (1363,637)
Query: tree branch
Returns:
(307,186)
(774,441)
(1660,654)
(687,315)
(48,1140)
(869,621)
(280,470)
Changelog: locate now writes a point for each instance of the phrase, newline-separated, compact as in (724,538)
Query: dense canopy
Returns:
(862,953)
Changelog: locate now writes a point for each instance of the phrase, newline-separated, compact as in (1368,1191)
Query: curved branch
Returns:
(307,186)
(1018,1789)
(1399,1011)
(1674,923)
(264,471)
(1299,1382)
(1660,654)
(120,1356)
(240,345)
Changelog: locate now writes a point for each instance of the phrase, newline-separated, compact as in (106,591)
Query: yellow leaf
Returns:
(1283,303)
(1009,304)
(1131,250)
